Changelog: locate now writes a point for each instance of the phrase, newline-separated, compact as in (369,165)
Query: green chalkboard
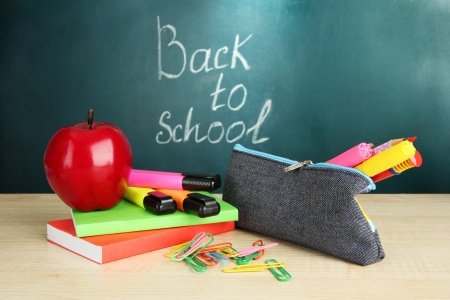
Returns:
(186,80)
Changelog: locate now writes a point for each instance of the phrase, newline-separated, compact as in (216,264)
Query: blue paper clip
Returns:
(206,260)
(217,256)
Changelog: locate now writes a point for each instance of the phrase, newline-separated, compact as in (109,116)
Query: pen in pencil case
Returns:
(200,204)
(415,161)
(174,181)
(154,201)
(353,156)
(390,144)
(387,159)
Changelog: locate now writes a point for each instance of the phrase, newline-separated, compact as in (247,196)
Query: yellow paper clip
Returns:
(253,267)
(216,247)
(174,249)
(228,252)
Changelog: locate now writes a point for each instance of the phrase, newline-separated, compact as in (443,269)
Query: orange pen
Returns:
(201,204)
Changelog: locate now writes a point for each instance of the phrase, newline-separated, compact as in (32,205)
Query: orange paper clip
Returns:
(206,260)
(216,247)
(261,252)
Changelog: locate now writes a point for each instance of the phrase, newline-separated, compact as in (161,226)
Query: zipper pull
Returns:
(298,165)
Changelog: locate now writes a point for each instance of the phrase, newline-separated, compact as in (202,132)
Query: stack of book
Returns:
(128,229)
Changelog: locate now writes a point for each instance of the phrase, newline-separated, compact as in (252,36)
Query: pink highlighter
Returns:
(174,181)
(353,156)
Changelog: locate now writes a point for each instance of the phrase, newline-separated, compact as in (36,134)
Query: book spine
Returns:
(166,239)
(93,229)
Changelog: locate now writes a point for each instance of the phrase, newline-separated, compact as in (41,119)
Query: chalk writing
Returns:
(217,131)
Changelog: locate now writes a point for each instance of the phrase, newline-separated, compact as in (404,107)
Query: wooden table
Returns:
(414,231)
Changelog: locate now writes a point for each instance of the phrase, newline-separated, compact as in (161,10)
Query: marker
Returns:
(386,145)
(353,156)
(387,159)
(391,143)
(412,138)
(415,161)
(194,203)
(156,202)
(174,181)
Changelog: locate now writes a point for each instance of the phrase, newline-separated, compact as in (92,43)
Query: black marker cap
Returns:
(201,182)
(201,205)
(160,203)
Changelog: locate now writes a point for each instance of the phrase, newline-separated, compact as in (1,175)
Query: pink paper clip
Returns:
(197,244)
(254,249)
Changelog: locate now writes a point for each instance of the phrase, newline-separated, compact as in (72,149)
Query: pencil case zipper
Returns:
(241,148)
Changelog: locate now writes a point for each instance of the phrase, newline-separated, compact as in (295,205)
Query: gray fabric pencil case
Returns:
(312,205)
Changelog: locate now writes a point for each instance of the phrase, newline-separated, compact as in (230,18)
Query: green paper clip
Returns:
(282,275)
(196,264)
(246,259)
(243,260)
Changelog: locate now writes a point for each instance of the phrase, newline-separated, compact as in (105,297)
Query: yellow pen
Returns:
(154,201)
(387,159)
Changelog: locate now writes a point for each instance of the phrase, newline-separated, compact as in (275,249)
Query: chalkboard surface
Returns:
(186,80)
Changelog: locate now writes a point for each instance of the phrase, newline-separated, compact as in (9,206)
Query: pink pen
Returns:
(174,181)
(353,156)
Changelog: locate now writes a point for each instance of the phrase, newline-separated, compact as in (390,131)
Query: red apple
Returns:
(87,164)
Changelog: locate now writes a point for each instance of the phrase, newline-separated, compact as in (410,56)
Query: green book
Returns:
(129,217)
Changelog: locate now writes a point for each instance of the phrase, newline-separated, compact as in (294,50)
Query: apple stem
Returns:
(90,118)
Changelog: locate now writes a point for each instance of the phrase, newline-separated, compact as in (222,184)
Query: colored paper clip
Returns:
(253,267)
(206,260)
(228,252)
(197,244)
(217,257)
(254,249)
(261,253)
(217,247)
(246,259)
(282,274)
(196,264)
(243,260)
(174,249)
(193,248)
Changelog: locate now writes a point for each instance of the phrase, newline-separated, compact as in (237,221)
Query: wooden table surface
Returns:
(414,231)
